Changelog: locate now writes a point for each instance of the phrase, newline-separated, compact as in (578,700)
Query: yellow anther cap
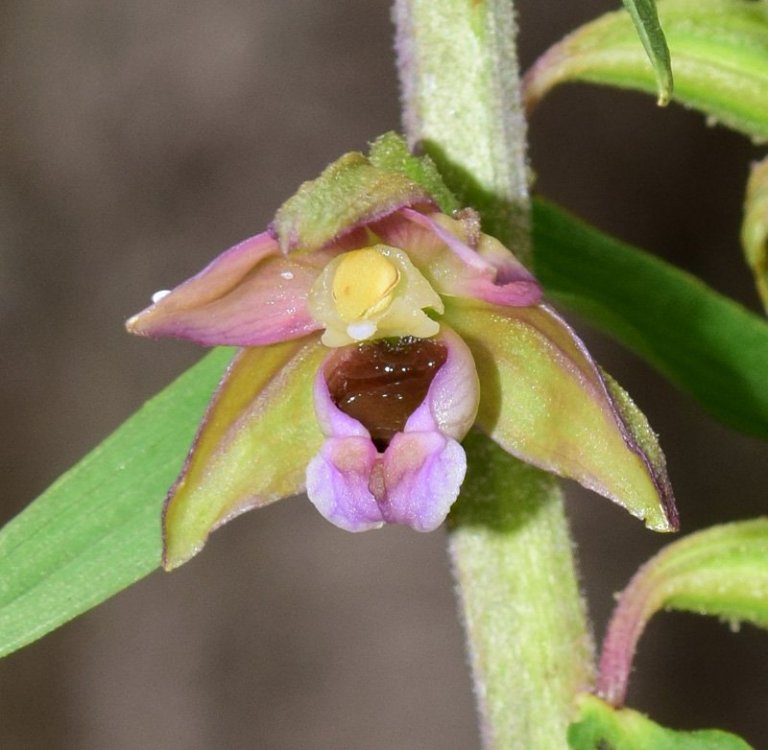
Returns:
(363,284)
(373,292)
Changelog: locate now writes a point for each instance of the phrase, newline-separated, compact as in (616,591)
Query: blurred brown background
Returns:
(139,139)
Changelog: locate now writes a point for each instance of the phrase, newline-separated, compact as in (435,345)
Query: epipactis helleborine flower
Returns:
(375,331)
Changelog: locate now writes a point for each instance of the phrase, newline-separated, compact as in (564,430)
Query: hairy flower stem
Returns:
(529,644)
(643,596)
(461,104)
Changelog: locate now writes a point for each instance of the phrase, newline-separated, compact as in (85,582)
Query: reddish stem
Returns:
(635,606)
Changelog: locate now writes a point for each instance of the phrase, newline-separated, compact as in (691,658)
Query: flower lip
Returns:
(416,478)
(382,383)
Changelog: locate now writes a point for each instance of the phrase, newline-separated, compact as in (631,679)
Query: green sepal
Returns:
(641,433)
(646,20)
(96,530)
(253,445)
(706,344)
(754,230)
(390,152)
(601,727)
(720,48)
(545,402)
(349,193)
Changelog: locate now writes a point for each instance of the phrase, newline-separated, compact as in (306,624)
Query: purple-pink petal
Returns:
(484,270)
(450,406)
(338,483)
(249,296)
(423,472)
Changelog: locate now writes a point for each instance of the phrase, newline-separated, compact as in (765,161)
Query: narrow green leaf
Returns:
(601,727)
(97,529)
(706,344)
(722,571)
(720,48)
(754,230)
(646,20)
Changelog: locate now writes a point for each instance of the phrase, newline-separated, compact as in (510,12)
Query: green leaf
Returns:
(646,20)
(754,230)
(601,727)
(720,48)
(706,344)
(253,446)
(721,571)
(97,529)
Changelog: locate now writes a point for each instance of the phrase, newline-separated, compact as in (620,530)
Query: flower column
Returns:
(527,637)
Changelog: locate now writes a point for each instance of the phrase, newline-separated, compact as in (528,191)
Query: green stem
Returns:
(529,644)
(461,104)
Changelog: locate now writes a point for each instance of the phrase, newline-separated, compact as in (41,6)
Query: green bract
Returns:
(390,152)
(721,571)
(720,51)
(346,191)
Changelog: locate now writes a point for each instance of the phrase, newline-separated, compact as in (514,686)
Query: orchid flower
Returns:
(375,331)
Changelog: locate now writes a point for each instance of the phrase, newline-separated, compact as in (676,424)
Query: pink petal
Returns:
(250,295)
(337,483)
(443,251)
(423,472)
(450,406)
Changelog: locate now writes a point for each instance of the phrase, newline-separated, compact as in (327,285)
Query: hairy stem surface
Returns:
(528,641)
